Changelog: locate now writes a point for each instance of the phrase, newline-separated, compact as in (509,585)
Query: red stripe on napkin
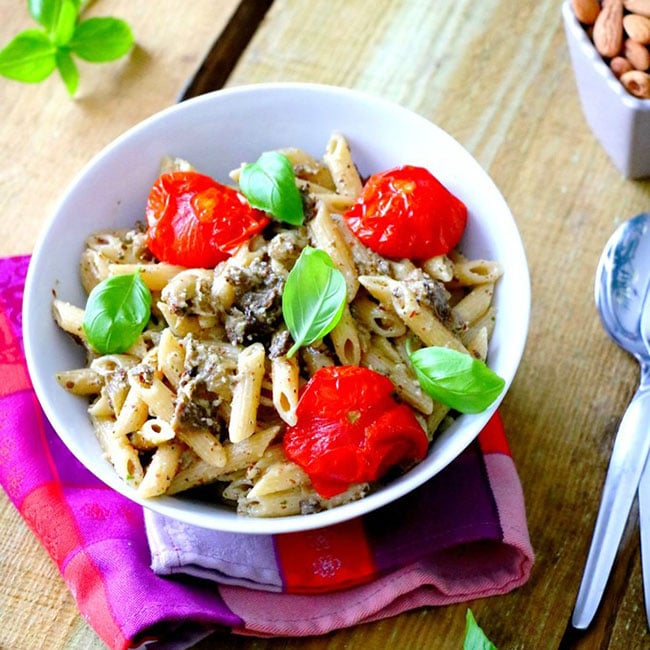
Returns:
(13,374)
(337,556)
(492,438)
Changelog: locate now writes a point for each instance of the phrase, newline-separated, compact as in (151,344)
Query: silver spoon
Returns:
(644,491)
(622,281)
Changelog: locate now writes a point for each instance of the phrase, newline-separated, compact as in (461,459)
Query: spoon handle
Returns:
(644,526)
(625,467)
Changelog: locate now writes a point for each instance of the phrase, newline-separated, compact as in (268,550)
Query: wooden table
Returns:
(495,75)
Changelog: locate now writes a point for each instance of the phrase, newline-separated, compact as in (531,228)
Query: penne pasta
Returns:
(377,319)
(338,159)
(246,393)
(285,384)
(475,303)
(440,268)
(161,470)
(206,392)
(171,358)
(155,276)
(416,316)
(345,339)
(80,381)
(122,455)
(472,272)
(132,415)
(69,318)
(155,394)
(205,445)
(325,235)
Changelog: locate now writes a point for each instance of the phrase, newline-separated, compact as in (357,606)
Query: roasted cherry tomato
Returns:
(407,212)
(194,221)
(350,429)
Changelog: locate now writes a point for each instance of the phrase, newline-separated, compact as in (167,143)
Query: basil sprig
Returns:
(33,54)
(269,184)
(313,298)
(475,638)
(455,379)
(117,311)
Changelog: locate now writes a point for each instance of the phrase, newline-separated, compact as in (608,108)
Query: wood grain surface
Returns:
(497,77)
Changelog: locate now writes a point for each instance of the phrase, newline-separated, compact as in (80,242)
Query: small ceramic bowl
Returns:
(217,132)
(620,121)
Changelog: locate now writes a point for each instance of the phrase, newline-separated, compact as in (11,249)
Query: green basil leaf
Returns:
(270,185)
(458,380)
(101,39)
(64,27)
(45,12)
(313,298)
(475,638)
(68,70)
(117,312)
(28,57)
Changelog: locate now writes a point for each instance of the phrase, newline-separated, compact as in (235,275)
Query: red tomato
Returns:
(194,221)
(407,212)
(350,429)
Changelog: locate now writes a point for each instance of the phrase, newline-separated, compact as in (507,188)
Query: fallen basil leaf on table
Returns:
(457,380)
(269,184)
(475,638)
(33,54)
(116,313)
(314,297)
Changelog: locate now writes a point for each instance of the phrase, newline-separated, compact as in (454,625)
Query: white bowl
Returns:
(217,132)
(620,121)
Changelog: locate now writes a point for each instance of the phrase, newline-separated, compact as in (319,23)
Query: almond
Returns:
(637,54)
(637,28)
(586,11)
(619,65)
(637,83)
(641,7)
(608,28)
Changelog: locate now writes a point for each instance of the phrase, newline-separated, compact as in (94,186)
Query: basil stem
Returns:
(117,311)
(314,297)
(270,185)
(455,379)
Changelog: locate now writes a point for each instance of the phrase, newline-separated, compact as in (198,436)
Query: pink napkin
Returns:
(139,577)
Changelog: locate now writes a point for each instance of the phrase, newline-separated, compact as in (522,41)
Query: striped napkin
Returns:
(139,578)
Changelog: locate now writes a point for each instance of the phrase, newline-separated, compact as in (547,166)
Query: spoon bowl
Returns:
(621,293)
(622,281)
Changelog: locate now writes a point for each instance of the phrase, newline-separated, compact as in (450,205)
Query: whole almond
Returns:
(619,65)
(586,11)
(641,7)
(608,28)
(637,54)
(637,83)
(637,28)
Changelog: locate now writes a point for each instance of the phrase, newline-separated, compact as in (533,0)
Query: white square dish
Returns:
(620,121)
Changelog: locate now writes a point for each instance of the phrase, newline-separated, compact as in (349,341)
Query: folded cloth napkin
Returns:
(461,536)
